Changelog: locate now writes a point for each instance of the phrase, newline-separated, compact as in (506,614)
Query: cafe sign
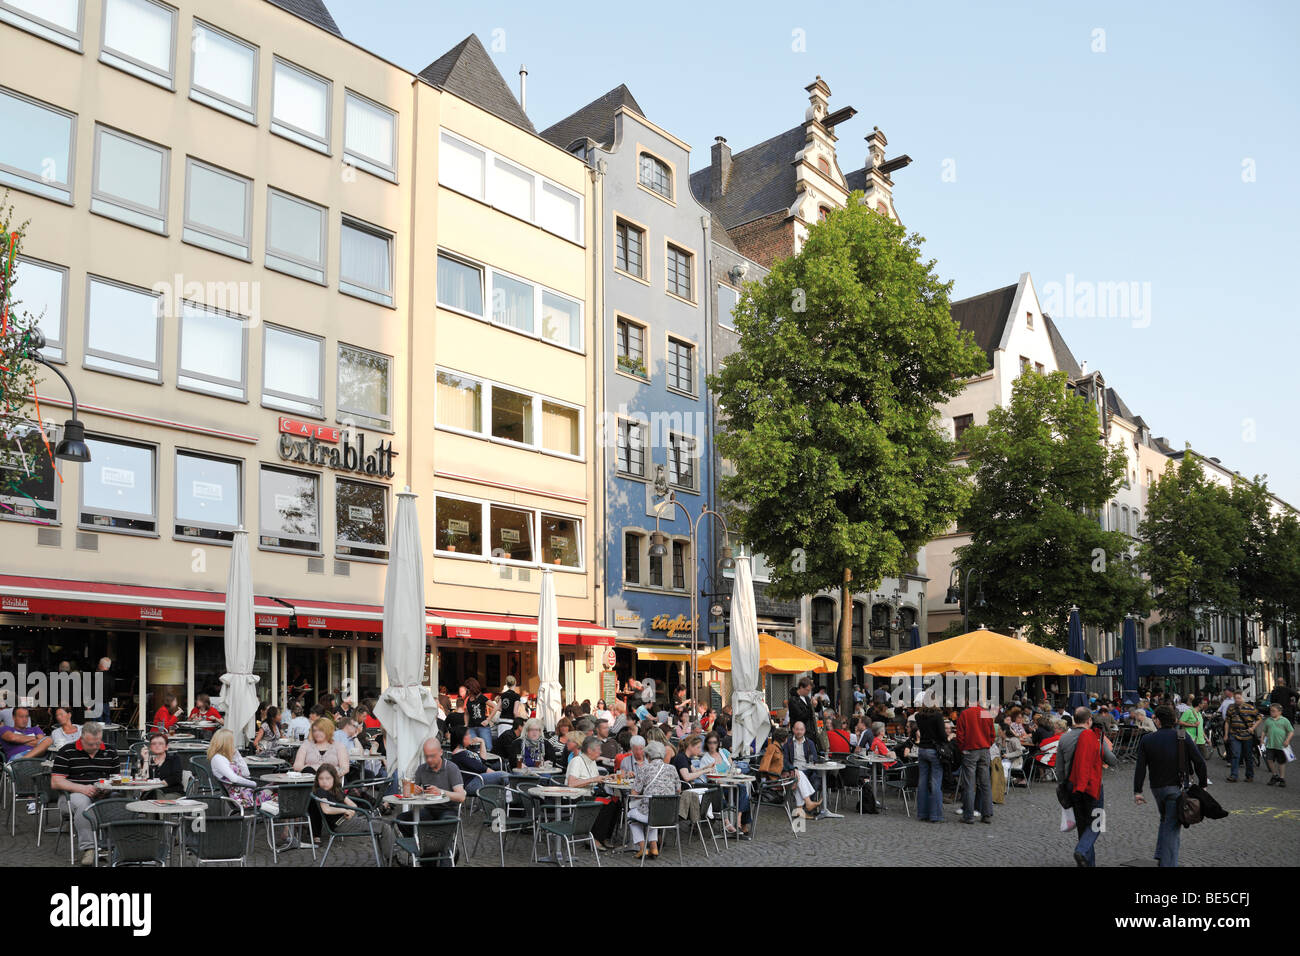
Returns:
(662,622)
(334,448)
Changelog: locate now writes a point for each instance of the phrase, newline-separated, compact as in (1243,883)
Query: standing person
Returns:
(929,791)
(1192,720)
(974,738)
(506,704)
(1277,737)
(477,705)
(1079,758)
(1281,695)
(1159,751)
(99,708)
(1242,719)
(800,707)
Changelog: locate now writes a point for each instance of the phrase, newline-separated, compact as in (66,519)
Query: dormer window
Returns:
(656,175)
(823,165)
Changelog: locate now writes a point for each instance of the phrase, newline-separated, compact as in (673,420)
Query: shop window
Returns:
(562,540)
(289,508)
(511,533)
(117,487)
(28,485)
(209,493)
(459,526)
(360,519)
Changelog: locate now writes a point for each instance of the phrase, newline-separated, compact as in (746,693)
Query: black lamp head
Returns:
(73,447)
(658,544)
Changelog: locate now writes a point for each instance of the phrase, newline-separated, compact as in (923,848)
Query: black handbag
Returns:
(1188,806)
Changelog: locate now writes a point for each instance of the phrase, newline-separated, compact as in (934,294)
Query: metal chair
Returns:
(221,839)
(289,813)
(100,814)
(213,806)
(496,803)
(852,780)
(772,789)
(138,842)
(363,810)
(201,771)
(712,800)
(46,803)
(662,816)
(22,776)
(426,841)
(577,828)
(905,780)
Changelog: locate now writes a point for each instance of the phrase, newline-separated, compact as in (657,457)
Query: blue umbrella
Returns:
(1130,665)
(916,637)
(1174,662)
(1078,687)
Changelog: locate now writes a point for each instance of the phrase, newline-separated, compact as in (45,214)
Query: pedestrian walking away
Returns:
(1080,755)
(1159,752)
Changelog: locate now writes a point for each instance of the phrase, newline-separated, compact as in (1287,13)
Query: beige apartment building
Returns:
(287,278)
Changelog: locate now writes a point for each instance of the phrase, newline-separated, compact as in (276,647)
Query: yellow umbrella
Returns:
(982,652)
(774,657)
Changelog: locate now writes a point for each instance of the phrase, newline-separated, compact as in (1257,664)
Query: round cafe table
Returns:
(180,807)
(289,777)
(559,795)
(731,783)
(878,762)
(135,786)
(827,767)
(419,800)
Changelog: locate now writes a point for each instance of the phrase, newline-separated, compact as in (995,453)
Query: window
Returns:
(656,570)
(123,331)
(680,563)
(460,285)
(1136,522)
(631,447)
(458,526)
(117,487)
(130,181)
(679,272)
(512,189)
(360,519)
(27,471)
(363,388)
(681,365)
(209,493)
(856,633)
(1024,364)
(1029,319)
(461,166)
(289,510)
(561,540)
(512,415)
(58,21)
(41,290)
(369,136)
(1123,520)
(218,210)
(292,371)
(223,72)
(1150,478)
(561,429)
(959,426)
(630,342)
(511,533)
(632,557)
(823,213)
(823,621)
(656,176)
(459,402)
(512,302)
(295,237)
(140,38)
(681,461)
(300,106)
(1114,516)
(365,262)
(561,320)
(1038,367)
(728,299)
(560,211)
(36,149)
(212,350)
(629,241)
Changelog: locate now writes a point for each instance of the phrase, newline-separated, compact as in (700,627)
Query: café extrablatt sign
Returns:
(336,448)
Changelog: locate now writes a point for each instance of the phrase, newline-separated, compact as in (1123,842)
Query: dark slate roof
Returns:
(1065,360)
(468,71)
(856,180)
(1117,406)
(1162,445)
(313,11)
(595,121)
(986,316)
(762,180)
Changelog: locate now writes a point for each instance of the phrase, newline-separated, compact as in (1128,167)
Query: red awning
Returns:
(503,628)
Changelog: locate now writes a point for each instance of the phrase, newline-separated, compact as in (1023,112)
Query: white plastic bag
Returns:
(1290,753)
(1067,819)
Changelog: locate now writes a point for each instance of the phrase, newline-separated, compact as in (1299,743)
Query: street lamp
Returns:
(659,548)
(962,596)
(73,447)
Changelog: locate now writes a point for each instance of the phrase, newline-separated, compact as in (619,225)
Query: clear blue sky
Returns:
(1117,166)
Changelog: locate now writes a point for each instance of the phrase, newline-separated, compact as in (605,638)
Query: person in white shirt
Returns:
(299,726)
(65,731)
(231,771)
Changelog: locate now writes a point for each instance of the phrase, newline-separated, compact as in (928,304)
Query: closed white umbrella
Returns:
(548,654)
(406,708)
(239,683)
(750,723)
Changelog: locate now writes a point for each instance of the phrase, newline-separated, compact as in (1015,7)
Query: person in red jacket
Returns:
(203,709)
(974,738)
(165,719)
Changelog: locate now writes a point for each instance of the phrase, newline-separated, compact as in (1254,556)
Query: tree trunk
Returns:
(845,704)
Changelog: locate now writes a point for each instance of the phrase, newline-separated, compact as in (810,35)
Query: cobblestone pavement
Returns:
(1262,830)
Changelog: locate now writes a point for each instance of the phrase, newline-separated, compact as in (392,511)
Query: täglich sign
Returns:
(662,622)
(334,448)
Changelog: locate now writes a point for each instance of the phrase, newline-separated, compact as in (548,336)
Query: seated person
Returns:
(878,745)
(468,756)
(65,731)
(797,751)
(1140,719)
(437,776)
(687,761)
(1043,729)
(77,767)
(609,748)
(269,730)
(321,747)
(839,742)
(583,771)
(530,749)
(231,771)
(654,777)
(162,765)
(503,745)
(334,819)
(21,739)
(635,756)
(717,759)
(168,713)
(299,725)
(203,709)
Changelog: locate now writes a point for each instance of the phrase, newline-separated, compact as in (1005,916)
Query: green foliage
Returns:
(1042,474)
(19,372)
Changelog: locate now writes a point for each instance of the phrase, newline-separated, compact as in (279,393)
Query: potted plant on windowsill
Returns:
(633,366)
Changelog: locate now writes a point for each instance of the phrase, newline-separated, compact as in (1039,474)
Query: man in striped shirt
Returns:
(77,767)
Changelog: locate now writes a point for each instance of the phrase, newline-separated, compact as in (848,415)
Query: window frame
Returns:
(45,29)
(341,542)
(468,147)
(125,515)
(621,319)
(639,536)
(360,160)
(34,447)
(221,530)
(116,203)
(197,378)
(674,454)
(284,397)
(213,235)
(630,225)
(729,323)
(620,443)
(670,248)
(535,526)
(296,134)
(363,419)
(88,352)
(315,477)
(33,183)
(693,349)
(670,174)
(292,259)
(213,99)
(356,289)
(127,63)
(59,342)
(486,387)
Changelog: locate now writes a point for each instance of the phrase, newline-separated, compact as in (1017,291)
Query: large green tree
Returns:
(1280,606)
(1042,474)
(1191,543)
(829,408)
(18,451)
(1253,504)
